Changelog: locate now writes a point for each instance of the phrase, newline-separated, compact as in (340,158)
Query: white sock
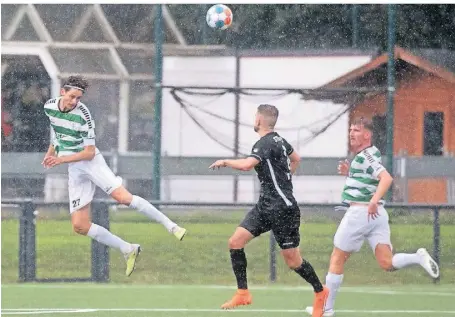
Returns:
(102,235)
(150,211)
(333,283)
(401,260)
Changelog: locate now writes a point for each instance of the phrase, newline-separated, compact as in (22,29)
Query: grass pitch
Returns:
(194,277)
(113,300)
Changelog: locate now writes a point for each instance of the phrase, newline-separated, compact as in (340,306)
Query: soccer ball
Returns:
(219,16)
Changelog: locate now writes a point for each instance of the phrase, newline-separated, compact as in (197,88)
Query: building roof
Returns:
(373,75)
(439,57)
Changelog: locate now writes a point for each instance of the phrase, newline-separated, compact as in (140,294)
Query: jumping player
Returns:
(73,142)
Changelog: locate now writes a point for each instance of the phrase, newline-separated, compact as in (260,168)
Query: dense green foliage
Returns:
(315,26)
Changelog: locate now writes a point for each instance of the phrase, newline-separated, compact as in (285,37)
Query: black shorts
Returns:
(283,221)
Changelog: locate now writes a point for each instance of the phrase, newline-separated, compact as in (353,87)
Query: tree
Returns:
(321,26)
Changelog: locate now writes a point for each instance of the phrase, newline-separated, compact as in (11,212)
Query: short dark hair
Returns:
(75,82)
(364,122)
(269,111)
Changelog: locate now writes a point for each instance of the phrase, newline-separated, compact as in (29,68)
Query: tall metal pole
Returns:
(355,25)
(390,89)
(156,150)
(203,24)
(237,120)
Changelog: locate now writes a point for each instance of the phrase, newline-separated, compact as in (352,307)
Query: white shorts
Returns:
(355,228)
(84,176)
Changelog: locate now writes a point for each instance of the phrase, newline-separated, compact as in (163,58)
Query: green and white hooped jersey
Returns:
(362,181)
(71,130)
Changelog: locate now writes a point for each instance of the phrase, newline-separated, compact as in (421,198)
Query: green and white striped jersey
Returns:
(362,181)
(71,130)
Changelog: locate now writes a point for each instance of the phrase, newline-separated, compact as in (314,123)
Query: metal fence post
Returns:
(436,240)
(100,252)
(27,243)
(272,258)
(22,244)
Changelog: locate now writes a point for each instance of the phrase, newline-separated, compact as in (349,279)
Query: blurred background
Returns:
(321,65)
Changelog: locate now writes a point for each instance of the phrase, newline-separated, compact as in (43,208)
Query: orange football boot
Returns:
(319,302)
(241,297)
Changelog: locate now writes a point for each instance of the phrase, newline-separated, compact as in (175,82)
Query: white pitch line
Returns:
(46,311)
(348,289)
(79,310)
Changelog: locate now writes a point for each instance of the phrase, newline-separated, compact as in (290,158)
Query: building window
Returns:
(433,129)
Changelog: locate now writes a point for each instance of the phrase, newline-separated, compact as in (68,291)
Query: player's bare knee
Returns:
(124,201)
(386,264)
(337,259)
(292,261)
(235,243)
(292,257)
(122,196)
(383,253)
(81,227)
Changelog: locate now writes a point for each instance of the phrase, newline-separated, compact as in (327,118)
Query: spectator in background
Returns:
(30,136)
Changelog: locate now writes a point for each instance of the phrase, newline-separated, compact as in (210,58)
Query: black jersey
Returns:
(274,169)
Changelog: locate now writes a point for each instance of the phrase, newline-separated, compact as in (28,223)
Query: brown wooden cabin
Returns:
(424,109)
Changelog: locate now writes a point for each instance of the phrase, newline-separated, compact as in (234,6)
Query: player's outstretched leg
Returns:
(82,225)
(390,262)
(303,268)
(239,264)
(123,196)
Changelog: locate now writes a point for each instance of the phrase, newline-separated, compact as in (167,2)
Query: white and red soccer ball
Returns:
(219,17)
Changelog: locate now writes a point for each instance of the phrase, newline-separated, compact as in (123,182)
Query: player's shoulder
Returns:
(82,107)
(85,113)
(84,110)
(372,154)
(257,145)
(273,138)
(51,103)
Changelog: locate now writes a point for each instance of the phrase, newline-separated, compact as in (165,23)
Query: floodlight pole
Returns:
(390,90)
(156,146)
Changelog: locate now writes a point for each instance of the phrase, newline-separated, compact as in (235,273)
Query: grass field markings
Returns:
(39,311)
(348,289)
(196,310)
(46,309)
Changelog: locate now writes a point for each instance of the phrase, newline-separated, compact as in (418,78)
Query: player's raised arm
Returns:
(259,153)
(243,164)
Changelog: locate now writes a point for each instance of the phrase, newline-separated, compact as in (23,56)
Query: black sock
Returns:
(307,272)
(238,260)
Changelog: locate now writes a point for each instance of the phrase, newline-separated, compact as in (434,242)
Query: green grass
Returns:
(202,258)
(176,279)
(114,300)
